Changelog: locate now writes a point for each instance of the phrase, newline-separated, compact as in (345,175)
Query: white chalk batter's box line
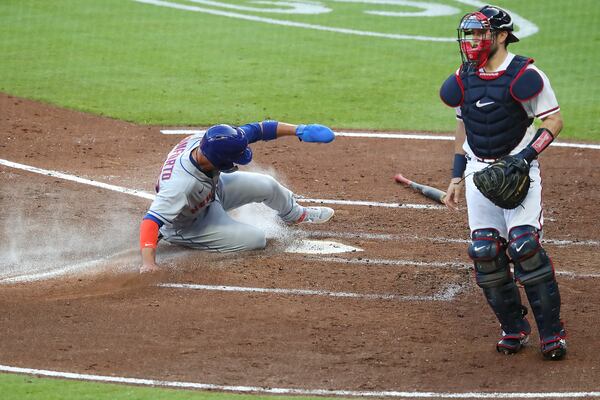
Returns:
(382,135)
(456,265)
(448,293)
(82,266)
(61,271)
(438,239)
(297,391)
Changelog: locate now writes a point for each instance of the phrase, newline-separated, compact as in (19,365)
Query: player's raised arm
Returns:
(307,133)
(269,130)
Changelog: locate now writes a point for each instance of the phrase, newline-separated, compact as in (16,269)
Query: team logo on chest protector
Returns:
(480,104)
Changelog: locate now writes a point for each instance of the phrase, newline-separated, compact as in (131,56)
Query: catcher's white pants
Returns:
(485,214)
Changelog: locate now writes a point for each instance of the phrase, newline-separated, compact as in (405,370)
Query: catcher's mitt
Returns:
(505,182)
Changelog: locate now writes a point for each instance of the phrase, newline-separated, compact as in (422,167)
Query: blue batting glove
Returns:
(315,133)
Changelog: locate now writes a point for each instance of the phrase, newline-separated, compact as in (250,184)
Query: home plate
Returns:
(320,247)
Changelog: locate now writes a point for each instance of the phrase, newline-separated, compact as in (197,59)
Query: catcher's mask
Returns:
(224,146)
(477,33)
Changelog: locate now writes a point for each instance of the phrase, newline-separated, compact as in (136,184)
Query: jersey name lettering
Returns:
(167,168)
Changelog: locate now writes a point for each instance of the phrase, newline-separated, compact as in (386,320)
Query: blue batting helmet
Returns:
(224,146)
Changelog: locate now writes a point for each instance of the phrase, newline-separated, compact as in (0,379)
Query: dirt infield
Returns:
(436,335)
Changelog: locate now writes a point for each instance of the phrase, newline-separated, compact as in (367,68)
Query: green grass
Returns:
(24,387)
(157,65)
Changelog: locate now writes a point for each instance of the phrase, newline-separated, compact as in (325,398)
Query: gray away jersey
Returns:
(183,191)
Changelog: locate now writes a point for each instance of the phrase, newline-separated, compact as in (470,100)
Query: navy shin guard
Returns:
(534,270)
(488,252)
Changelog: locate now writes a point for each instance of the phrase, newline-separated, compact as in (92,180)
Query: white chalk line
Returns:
(579,275)
(448,293)
(392,262)
(78,267)
(273,21)
(149,196)
(371,204)
(305,246)
(562,242)
(526,28)
(438,239)
(294,391)
(431,264)
(68,269)
(73,178)
(382,135)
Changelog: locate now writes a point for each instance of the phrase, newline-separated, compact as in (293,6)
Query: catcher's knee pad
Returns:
(488,252)
(532,264)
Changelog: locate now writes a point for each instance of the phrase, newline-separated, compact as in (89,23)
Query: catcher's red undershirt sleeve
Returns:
(148,234)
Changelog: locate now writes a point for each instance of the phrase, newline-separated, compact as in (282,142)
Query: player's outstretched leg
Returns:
(533,268)
(488,252)
(241,188)
(315,215)
(217,231)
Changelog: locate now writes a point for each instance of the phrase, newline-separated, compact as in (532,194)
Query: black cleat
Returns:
(554,348)
(511,343)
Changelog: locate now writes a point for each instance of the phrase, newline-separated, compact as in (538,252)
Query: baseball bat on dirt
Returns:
(427,191)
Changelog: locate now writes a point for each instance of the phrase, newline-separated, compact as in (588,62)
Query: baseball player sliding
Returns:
(497,95)
(193,197)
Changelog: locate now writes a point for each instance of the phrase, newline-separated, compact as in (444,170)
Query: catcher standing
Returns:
(497,95)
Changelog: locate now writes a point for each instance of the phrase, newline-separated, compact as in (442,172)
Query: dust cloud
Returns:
(47,241)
